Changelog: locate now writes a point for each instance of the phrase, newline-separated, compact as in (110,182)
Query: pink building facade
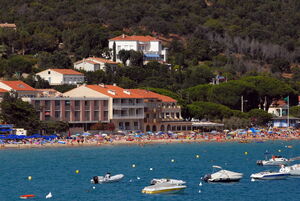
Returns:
(78,112)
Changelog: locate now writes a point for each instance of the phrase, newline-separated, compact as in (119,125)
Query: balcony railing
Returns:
(128,116)
(128,105)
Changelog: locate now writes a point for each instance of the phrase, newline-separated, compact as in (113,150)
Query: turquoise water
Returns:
(53,170)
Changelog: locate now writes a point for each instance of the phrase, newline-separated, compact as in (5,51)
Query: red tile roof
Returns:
(114,91)
(6,25)
(150,94)
(135,38)
(102,60)
(18,85)
(66,71)
(96,60)
(3,90)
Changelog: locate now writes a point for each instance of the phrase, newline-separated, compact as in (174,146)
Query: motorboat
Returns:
(223,176)
(106,179)
(274,161)
(269,175)
(160,186)
(293,170)
(164,180)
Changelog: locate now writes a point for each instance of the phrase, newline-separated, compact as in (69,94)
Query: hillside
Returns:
(249,43)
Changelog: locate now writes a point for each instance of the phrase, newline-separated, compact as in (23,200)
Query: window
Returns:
(57,114)
(96,116)
(77,116)
(87,116)
(49,72)
(67,115)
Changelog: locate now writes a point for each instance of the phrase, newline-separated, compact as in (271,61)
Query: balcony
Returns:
(128,116)
(128,105)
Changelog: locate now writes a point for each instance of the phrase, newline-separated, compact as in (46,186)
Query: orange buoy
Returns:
(27,196)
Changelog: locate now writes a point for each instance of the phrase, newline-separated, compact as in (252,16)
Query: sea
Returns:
(66,172)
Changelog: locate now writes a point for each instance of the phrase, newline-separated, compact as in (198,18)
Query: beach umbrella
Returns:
(86,134)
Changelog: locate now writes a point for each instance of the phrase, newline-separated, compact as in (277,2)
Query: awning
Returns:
(152,55)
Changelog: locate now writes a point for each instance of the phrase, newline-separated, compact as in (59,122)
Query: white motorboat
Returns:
(269,175)
(165,187)
(275,160)
(106,179)
(164,180)
(223,176)
(293,170)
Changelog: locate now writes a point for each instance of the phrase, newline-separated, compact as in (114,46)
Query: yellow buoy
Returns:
(246,153)
(172,160)
(133,165)
(197,156)
(29,177)
(77,171)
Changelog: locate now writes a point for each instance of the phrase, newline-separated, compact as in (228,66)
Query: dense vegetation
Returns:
(254,44)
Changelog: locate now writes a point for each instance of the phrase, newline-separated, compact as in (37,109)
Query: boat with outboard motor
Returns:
(293,170)
(222,176)
(273,161)
(269,175)
(160,186)
(106,179)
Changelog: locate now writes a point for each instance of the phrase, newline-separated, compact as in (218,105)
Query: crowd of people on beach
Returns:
(85,139)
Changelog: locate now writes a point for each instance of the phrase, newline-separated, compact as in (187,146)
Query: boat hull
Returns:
(177,189)
(269,176)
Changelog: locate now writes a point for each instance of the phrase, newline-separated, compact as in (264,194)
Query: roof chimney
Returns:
(123,35)
(114,84)
(102,85)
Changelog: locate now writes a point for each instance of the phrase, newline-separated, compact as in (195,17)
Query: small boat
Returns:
(27,196)
(106,179)
(223,176)
(275,160)
(164,180)
(160,186)
(293,170)
(269,175)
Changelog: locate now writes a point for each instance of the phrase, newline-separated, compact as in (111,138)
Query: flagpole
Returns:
(288,112)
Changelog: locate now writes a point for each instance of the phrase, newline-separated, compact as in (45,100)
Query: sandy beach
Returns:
(141,142)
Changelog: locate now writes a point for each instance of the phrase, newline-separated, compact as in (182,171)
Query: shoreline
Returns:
(140,143)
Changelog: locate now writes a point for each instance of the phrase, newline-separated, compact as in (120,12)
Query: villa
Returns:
(150,46)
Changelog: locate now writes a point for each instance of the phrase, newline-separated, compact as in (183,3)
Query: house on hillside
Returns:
(150,46)
(94,64)
(61,76)
(22,89)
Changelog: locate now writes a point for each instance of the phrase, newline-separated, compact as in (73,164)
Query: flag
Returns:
(287,99)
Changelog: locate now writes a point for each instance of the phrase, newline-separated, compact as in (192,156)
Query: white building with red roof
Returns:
(94,64)
(125,109)
(22,89)
(150,46)
(162,113)
(61,76)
